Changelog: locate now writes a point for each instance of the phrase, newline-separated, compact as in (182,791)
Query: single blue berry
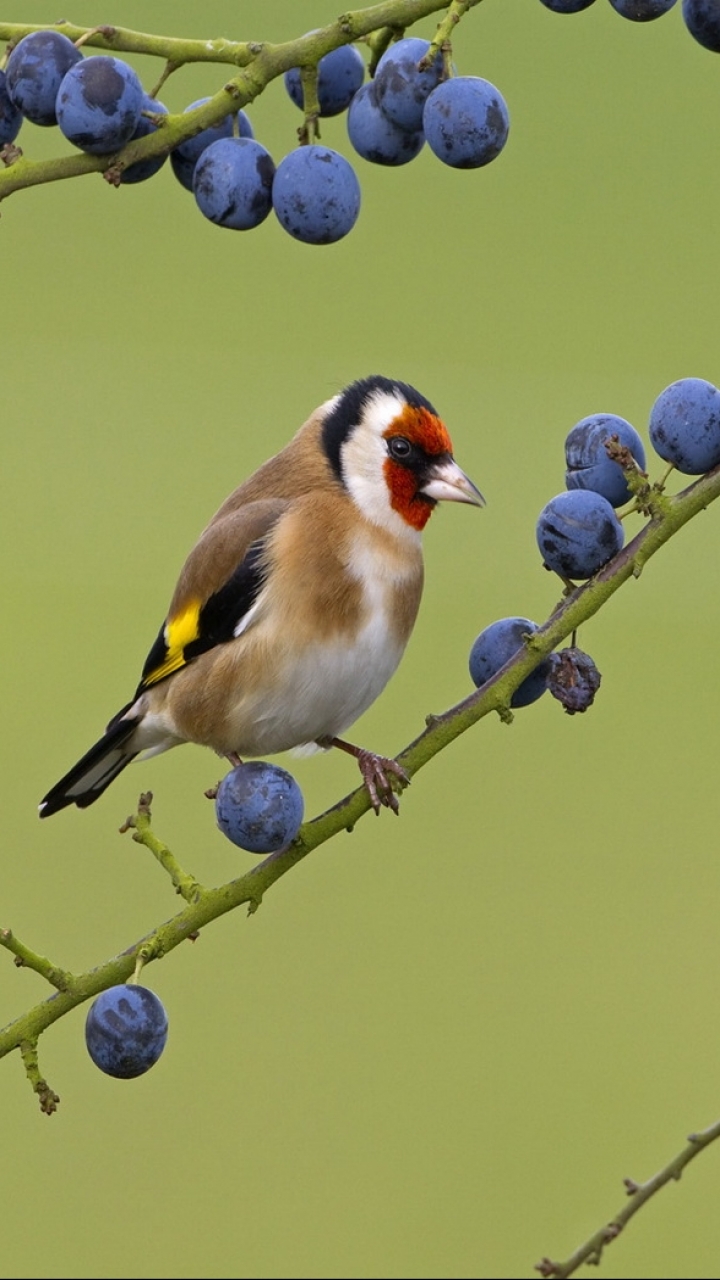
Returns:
(316,195)
(642,10)
(374,136)
(495,646)
(702,19)
(685,425)
(126,1031)
(233,183)
(340,74)
(401,88)
(588,464)
(185,156)
(144,169)
(259,806)
(99,103)
(35,70)
(577,533)
(466,122)
(11,117)
(567,6)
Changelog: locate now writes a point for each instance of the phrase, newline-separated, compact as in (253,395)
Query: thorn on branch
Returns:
(631,1187)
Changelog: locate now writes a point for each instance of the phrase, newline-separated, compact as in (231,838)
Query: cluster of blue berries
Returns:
(578,531)
(99,105)
(464,119)
(701,17)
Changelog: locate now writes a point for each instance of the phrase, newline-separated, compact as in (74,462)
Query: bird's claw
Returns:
(375,770)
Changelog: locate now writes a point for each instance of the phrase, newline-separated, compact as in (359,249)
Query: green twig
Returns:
(442,40)
(27,959)
(47,1098)
(186,885)
(639,1192)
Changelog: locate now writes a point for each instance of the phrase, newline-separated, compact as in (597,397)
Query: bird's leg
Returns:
(233,757)
(374,770)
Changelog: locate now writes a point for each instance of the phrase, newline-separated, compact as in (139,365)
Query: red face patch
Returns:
(427,433)
(404,497)
(422,428)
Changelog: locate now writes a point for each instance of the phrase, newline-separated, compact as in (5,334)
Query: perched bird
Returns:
(294,607)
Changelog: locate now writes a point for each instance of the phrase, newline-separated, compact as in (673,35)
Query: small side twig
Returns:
(59,978)
(639,1192)
(47,1098)
(139,823)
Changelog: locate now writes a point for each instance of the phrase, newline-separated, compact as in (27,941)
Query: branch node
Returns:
(10,154)
(547,1268)
(631,1187)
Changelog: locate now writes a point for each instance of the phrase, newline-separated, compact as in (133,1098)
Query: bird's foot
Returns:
(375,770)
(233,757)
(377,773)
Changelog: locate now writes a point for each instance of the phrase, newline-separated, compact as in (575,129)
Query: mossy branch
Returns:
(260,63)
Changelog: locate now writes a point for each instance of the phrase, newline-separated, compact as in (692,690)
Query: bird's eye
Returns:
(399,448)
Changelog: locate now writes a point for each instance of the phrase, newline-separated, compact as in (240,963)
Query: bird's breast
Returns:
(327,632)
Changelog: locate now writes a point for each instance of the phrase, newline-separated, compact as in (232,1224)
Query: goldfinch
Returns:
(293,609)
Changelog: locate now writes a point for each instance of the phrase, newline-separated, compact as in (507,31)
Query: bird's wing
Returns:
(217,588)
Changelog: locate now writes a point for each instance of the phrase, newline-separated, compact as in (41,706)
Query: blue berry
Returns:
(466,122)
(567,6)
(10,116)
(184,158)
(374,136)
(685,425)
(589,466)
(144,169)
(495,646)
(340,75)
(35,70)
(702,19)
(99,103)
(233,183)
(316,195)
(259,806)
(577,533)
(401,88)
(642,10)
(126,1031)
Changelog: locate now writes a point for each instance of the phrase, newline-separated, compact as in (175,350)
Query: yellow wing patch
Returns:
(180,631)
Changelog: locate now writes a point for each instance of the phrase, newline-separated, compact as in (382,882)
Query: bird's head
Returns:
(390,450)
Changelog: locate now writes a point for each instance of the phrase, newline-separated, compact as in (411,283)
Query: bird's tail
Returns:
(99,766)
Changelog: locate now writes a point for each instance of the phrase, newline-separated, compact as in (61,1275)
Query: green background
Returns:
(444,1040)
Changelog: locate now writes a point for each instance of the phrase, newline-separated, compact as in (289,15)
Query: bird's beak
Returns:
(447,483)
